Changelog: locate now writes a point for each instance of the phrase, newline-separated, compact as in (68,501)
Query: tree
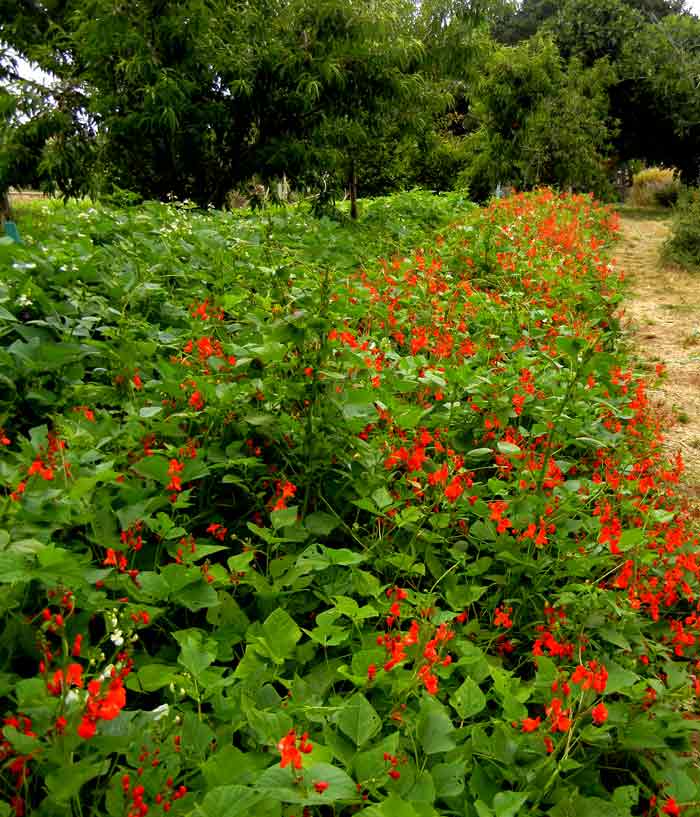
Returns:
(161,85)
(593,29)
(42,138)
(190,97)
(539,121)
(337,78)
(658,96)
(532,15)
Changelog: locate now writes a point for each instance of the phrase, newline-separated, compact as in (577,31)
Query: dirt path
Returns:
(663,309)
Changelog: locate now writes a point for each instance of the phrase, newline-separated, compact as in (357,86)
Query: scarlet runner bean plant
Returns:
(298,520)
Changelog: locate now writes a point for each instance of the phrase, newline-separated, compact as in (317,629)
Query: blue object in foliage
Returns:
(12,231)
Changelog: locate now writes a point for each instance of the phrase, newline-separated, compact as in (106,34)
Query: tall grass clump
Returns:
(655,186)
(683,246)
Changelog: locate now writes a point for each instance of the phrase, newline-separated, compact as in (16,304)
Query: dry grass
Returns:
(664,321)
(24,196)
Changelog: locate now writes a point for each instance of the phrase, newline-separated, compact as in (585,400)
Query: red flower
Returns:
(455,489)
(558,716)
(102,707)
(196,401)
(217,531)
(87,728)
(502,617)
(600,714)
(72,677)
(287,747)
(531,724)
(321,786)
(671,808)
(138,383)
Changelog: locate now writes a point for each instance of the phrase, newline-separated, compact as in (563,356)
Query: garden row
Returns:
(293,522)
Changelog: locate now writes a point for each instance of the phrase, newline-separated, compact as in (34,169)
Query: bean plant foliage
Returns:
(301,517)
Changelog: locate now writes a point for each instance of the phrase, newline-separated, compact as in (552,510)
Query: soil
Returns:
(663,326)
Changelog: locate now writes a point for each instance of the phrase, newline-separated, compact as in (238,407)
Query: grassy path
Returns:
(664,326)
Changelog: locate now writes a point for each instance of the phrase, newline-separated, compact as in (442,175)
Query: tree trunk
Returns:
(353,191)
(4,208)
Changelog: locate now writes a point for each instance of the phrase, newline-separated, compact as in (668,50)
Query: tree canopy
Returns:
(195,98)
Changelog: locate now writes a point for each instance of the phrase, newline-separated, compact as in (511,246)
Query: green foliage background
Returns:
(195,99)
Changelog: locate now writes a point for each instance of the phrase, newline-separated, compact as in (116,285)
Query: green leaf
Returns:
(597,807)
(614,637)
(67,782)
(199,596)
(626,796)
(468,699)
(280,784)
(340,784)
(480,453)
(619,678)
(508,803)
(423,790)
(155,467)
(230,801)
(358,720)
(382,498)
(435,729)
(281,635)
(150,411)
(284,517)
(155,676)
(630,538)
(197,652)
(24,744)
(320,523)
(393,806)
(448,779)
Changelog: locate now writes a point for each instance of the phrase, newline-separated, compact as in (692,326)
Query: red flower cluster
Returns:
(291,748)
(202,311)
(165,799)
(393,762)
(284,491)
(131,537)
(102,705)
(218,531)
(599,714)
(17,764)
(558,716)
(396,644)
(115,558)
(175,468)
(592,676)
(62,679)
(430,654)
(501,617)
(43,466)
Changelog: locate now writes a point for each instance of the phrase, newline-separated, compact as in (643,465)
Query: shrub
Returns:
(683,246)
(655,186)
